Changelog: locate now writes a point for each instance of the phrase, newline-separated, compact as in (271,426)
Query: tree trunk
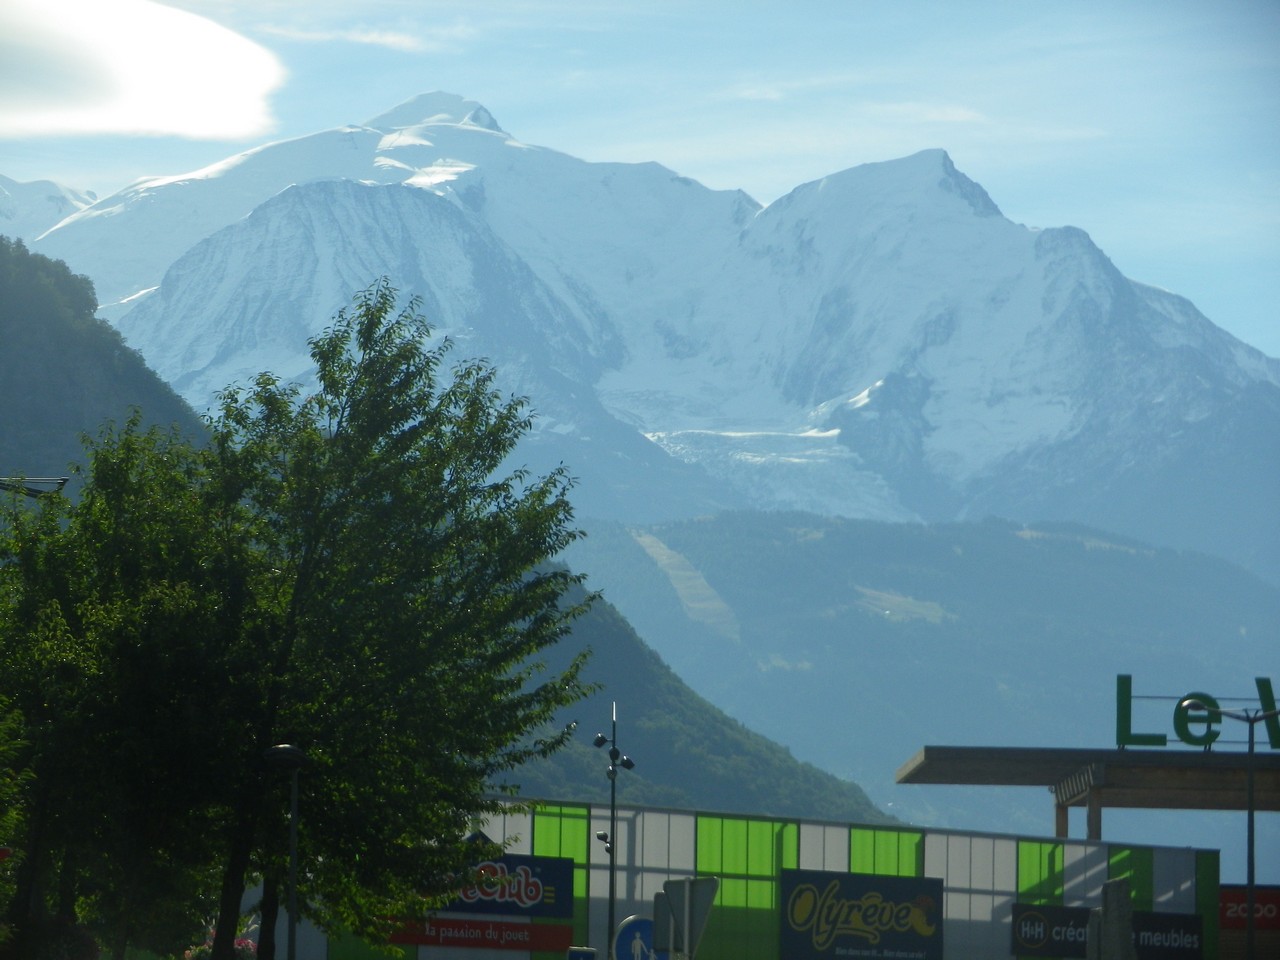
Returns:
(67,887)
(241,849)
(28,907)
(270,912)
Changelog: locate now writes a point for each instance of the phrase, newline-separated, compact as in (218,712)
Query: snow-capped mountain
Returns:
(29,209)
(881,343)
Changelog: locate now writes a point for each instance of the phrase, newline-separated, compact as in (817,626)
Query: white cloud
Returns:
(392,40)
(916,112)
(436,40)
(129,66)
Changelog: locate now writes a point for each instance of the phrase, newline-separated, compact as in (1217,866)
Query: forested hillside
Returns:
(63,372)
(688,754)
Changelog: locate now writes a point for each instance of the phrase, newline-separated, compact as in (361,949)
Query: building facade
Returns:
(987,881)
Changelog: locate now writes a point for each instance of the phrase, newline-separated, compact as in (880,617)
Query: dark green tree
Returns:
(354,570)
(411,602)
(115,651)
(12,782)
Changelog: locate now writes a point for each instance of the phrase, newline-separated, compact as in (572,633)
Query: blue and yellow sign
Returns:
(829,915)
(517,885)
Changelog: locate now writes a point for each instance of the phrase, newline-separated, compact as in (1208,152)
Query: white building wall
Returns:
(980,878)
(1084,872)
(979,873)
(1175,881)
(824,847)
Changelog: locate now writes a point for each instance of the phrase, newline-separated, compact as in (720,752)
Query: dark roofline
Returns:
(1151,779)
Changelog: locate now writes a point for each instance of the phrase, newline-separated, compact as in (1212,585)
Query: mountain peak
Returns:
(956,182)
(914,179)
(935,166)
(29,209)
(437,107)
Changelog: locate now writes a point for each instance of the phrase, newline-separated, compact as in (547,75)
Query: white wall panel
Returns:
(1174,881)
(1084,869)
(824,847)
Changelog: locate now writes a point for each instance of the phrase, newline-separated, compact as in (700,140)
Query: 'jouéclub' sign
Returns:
(519,889)
(514,884)
(829,915)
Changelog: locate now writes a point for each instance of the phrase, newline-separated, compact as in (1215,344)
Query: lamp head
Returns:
(627,763)
(600,740)
(285,755)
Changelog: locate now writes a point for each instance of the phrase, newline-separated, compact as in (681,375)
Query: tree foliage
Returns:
(353,570)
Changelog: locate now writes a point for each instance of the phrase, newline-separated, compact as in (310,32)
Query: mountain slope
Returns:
(688,754)
(881,343)
(64,371)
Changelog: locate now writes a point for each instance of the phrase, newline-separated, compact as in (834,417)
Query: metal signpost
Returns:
(680,915)
(1210,713)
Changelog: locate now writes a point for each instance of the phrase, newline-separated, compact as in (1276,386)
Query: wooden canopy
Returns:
(1152,779)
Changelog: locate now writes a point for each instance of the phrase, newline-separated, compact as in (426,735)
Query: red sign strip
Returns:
(1233,913)
(487,934)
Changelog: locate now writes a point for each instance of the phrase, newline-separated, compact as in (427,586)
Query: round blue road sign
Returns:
(634,940)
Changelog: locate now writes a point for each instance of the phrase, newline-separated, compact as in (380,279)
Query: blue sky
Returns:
(1154,126)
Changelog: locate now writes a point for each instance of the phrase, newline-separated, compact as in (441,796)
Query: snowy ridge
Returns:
(882,342)
(29,209)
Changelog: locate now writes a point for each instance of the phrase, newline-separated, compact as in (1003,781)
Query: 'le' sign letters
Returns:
(1194,725)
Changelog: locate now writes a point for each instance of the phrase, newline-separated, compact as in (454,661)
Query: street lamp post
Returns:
(616,759)
(287,756)
(1251,718)
(33,487)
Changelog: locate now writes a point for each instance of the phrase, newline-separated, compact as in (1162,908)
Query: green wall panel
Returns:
(565,831)
(744,923)
(1208,894)
(886,853)
(1137,865)
(737,846)
(748,856)
(562,831)
(1040,872)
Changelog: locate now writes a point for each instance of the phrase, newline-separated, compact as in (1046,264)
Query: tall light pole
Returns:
(1252,718)
(616,759)
(289,757)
